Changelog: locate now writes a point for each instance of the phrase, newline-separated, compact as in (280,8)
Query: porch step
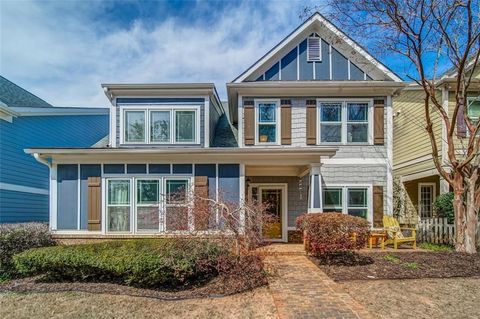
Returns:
(282,250)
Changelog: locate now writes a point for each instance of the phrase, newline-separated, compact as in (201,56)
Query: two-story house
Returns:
(307,128)
(413,163)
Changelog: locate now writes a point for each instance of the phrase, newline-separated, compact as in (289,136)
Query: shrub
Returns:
(241,274)
(15,238)
(444,207)
(140,262)
(331,233)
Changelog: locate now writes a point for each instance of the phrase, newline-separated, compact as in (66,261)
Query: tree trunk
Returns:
(466,219)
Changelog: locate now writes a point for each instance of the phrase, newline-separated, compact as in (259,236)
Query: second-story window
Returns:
(344,122)
(161,125)
(267,122)
(135,126)
(474,109)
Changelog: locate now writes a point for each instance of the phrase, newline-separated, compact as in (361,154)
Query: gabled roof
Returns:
(318,23)
(13,95)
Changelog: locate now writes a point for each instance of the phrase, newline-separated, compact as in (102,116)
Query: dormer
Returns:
(163,115)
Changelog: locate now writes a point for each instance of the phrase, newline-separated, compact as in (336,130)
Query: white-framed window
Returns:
(314,48)
(148,204)
(119,205)
(134,128)
(426,197)
(267,122)
(160,124)
(353,200)
(473,109)
(344,121)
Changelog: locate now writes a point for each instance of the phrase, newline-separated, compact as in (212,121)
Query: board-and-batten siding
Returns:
(165,101)
(22,169)
(410,139)
(294,66)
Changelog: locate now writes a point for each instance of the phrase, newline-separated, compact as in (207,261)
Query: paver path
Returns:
(301,290)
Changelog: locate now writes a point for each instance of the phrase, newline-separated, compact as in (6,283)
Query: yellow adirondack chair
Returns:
(395,235)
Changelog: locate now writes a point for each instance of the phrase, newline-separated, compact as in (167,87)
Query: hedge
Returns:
(139,262)
(15,238)
(331,233)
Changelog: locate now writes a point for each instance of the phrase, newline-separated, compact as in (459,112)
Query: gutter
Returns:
(41,160)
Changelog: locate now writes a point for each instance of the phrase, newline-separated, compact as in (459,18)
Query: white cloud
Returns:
(63,55)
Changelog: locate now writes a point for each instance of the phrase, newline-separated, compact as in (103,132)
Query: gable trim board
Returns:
(323,24)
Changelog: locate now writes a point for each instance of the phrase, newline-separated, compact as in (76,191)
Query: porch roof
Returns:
(249,156)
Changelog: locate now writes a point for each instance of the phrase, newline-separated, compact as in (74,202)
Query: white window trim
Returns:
(162,202)
(145,131)
(277,121)
(344,102)
(471,99)
(159,204)
(345,188)
(149,108)
(434,195)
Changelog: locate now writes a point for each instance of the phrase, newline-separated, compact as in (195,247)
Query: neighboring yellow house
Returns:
(414,168)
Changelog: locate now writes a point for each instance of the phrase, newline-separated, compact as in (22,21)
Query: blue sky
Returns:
(63,50)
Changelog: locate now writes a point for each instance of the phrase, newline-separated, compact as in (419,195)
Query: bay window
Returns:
(351,200)
(267,122)
(344,121)
(160,125)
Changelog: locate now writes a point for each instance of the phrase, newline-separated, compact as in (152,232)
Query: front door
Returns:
(274,198)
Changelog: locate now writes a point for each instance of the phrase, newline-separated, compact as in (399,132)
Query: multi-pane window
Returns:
(135,126)
(118,205)
(332,199)
(426,197)
(176,205)
(267,122)
(344,122)
(161,125)
(148,209)
(185,126)
(357,122)
(331,122)
(357,202)
(351,200)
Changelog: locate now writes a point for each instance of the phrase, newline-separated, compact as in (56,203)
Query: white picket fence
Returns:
(438,231)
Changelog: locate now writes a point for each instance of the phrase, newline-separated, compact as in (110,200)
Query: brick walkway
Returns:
(301,290)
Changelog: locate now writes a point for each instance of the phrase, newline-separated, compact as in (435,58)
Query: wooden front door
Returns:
(273,198)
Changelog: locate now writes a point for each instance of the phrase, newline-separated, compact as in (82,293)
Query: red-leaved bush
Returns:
(330,233)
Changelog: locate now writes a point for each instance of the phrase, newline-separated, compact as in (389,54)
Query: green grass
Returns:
(411,265)
(435,247)
(392,259)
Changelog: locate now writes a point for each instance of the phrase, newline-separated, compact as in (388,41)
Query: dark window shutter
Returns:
(249,119)
(461,124)
(378,122)
(201,211)
(311,122)
(286,125)
(377,206)
(94,198)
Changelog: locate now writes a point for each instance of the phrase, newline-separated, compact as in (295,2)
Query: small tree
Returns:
(429,33)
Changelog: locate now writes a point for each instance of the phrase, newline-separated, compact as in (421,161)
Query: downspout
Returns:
(42,160)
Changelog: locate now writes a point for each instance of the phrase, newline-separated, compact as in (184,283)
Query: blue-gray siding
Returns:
(18,168)
(294,66)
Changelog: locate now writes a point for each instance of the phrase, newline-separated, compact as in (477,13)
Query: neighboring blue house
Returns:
(28,121)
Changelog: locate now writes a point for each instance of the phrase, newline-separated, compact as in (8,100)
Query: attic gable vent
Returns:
(314,52)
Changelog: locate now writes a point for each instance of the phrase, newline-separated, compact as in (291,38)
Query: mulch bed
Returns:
(400,265)
(218,287)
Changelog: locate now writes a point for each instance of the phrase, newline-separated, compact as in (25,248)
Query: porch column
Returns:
(315,191)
